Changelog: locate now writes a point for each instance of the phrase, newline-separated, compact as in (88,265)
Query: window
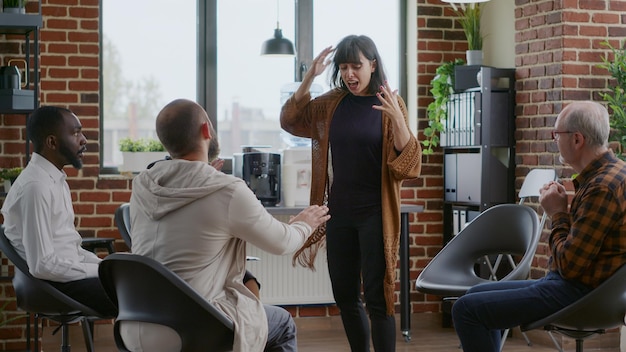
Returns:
(148,59)
(209,51)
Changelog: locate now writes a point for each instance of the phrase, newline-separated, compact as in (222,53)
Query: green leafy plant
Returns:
(616,99)
(140,145)
(442,86)
(10,173)
(4,322)
(14,3)
(469,18)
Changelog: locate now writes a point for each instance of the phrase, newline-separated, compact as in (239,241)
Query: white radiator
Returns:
(284,284)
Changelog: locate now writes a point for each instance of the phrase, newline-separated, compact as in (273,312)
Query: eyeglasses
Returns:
(555,134)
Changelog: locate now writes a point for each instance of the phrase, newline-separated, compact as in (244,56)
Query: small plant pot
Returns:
(19,10)
(138,161)
(474,57)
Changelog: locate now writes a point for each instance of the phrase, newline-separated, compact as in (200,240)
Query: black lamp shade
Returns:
(277,45)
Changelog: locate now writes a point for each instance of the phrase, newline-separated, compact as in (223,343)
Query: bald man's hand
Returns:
(314,215)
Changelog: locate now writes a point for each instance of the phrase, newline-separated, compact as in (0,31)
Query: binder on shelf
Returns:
(459,126)
(462,219)
(455,222)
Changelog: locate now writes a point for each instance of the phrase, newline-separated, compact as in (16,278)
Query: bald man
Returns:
(197,220)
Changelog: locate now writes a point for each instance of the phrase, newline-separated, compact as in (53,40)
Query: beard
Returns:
(71,157)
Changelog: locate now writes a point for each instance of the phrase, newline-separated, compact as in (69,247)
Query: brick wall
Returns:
(557,50)
(557,53)
(69,77)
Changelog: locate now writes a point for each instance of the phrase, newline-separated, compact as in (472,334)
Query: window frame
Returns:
(207,78)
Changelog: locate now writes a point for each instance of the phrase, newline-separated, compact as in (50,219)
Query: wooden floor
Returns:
(326,334)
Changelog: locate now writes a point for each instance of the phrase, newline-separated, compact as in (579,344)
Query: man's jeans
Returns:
(281,330)
(485,309)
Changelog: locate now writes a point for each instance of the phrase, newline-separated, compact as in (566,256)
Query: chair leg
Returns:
(556,344)
(28,336)
(65,338)
(579,345)
(527,339)
(88,327)
(505,334)
(36,333)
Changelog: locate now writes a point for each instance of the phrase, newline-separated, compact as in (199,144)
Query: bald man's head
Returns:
(179,127)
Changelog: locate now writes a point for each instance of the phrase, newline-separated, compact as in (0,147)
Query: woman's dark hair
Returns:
(347,52)
(43,122)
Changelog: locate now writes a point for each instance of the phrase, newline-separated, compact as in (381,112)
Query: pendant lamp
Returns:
(277,46)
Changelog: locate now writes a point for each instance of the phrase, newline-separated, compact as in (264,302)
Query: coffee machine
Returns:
(261,171)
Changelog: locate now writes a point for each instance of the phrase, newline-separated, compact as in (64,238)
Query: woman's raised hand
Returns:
(320,63)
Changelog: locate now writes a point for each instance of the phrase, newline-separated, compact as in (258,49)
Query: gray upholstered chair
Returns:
(505,230)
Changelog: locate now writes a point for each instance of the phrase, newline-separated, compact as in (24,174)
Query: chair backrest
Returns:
(130,280)
(602,308)
(122,220)
(534,180)
(38,296)
(502,229)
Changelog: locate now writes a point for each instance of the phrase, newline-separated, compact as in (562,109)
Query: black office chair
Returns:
(46,302)
(601,309)
(122,220)
(130,281)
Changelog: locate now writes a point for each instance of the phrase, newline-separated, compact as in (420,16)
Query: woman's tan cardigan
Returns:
(311,119)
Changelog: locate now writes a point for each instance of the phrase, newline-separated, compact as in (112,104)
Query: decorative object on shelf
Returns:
(442,86)
(14,6)
(9,175)
(138,153)
(10,77)
(469,19)
(616,99)
(277,46)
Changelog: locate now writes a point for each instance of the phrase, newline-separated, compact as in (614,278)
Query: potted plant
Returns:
(9,175)
(616,99)
(437,111)
(138,153)
(3,309)
(14,6)
(469,18)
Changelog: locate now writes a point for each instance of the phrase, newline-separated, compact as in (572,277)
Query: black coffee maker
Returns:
(261,172)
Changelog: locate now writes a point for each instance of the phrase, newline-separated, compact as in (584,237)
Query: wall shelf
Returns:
(479,148)
(13,23)
(26,100)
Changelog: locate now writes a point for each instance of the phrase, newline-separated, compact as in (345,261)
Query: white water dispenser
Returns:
(296,176)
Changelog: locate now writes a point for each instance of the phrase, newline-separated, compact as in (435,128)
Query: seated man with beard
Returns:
(38,212)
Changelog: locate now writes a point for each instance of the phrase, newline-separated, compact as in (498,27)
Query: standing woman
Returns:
(362,149)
